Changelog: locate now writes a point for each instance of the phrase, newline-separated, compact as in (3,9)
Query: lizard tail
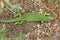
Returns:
(8,21)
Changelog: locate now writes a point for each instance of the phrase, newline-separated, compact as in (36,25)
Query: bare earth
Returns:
(34,30)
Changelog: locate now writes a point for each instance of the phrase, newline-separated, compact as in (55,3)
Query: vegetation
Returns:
(3,37)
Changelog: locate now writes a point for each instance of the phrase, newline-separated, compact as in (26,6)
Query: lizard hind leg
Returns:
(17,14)
(16,23)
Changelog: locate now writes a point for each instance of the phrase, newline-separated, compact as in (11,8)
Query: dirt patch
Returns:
(34,30)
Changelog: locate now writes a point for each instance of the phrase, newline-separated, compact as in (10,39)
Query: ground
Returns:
(34,30)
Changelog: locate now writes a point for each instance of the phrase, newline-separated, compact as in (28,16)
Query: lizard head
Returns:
(50,18)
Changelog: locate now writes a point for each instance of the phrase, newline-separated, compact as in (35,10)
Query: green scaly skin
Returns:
(29,17)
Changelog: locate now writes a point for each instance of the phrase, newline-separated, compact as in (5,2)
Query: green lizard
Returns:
(30,16)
